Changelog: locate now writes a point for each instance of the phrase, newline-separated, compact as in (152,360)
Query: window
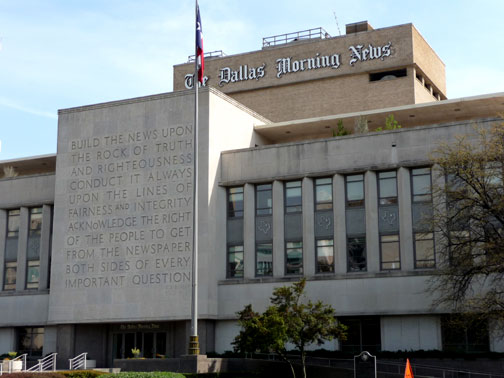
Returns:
(389,248)
(264,203)
(421,184)
(387,187)
(31,341)
(363,333)
(463,335)
(235,261)
(325,256)
(235,202)
(388,75)
(356,249)
(293,197)
(264,259)
(294,258)
(424,250)
(355,190)
(11,249)
(33,253)
(323,194)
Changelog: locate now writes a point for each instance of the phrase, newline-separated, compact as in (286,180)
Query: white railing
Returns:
(78,362)
(47,363)
(10,364)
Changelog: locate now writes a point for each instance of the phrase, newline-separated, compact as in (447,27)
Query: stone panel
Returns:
(123,211)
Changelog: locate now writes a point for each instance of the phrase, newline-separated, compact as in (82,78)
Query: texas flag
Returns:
(199,46)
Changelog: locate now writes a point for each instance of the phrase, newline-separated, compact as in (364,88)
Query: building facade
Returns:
(96,240)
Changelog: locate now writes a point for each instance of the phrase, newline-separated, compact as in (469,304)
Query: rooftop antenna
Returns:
(337,24)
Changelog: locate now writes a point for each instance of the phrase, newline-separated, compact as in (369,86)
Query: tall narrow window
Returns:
(235,202)
(264,199)
(355,223)
(235,261)
(424,250)
(325,256)
(387,187)
(11,249)
(388,225)
(33,253)
(356,249)
(323,194)
(293,197)
(294,257)
(389,248)
(31,341)
(355,190)
(264,259)
(421,184)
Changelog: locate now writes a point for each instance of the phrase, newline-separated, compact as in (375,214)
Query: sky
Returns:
(57,54)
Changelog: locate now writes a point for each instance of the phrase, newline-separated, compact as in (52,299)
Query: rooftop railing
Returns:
(281,39)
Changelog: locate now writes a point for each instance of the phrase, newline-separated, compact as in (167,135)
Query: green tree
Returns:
(469,223)
(290,319)
(390,124)
(341,131)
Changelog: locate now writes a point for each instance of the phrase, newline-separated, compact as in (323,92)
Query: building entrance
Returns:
(150,344)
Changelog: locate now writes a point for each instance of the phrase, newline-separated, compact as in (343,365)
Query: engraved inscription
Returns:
(128,217)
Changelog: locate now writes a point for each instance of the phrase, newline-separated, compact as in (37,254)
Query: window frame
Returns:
(228,253)
(381,242)
(317,266)
(324,205)
(260,209)
(363,237)
(231,213)
(387,200)
(293,209)
(256,259)
(416,260)
(287,273)
(413,195)
(360,202)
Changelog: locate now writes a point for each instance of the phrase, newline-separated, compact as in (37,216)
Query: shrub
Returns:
(153,374)
(34,375)
(82,373)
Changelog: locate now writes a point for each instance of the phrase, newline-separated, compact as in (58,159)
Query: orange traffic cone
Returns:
(408,372)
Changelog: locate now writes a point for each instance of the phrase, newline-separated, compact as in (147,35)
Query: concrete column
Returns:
(372,238)
(278,230)
(308,228)
(249,230)
(45,245)
(50,338)
(65,344)
(24,219)
(340,258)
(439,206)
(405,219)
(3,237)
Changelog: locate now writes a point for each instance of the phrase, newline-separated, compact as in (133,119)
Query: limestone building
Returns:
(96,240)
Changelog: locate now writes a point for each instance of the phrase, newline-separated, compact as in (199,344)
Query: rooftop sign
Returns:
(287,65)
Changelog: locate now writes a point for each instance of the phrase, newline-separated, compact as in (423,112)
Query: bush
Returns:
(153,374)
(82,373)
(33,375)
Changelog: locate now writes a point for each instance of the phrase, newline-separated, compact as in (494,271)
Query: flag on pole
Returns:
(408,372)
(200,58)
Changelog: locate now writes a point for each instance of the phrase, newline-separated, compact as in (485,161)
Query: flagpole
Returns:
(193,339)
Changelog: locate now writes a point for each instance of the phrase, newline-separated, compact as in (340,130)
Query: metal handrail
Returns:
(208,55)
(78,362)
(21,358)
(295,36)
(45,364)
(395,367)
